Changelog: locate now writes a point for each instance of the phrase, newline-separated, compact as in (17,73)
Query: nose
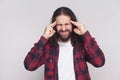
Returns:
(63,27)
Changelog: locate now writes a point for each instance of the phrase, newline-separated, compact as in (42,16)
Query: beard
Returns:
(64,38)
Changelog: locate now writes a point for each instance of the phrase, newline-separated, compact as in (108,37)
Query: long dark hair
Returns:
(75,39)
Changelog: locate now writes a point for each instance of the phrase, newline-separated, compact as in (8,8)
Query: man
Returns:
(65,48)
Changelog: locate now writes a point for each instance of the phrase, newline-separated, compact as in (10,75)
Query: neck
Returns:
(59,40)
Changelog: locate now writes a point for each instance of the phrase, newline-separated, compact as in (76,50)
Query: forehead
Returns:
(63,19)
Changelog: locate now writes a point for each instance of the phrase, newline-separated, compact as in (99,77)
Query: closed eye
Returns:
(59,25)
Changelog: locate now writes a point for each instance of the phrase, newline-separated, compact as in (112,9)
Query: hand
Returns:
(49,31)
(80,30)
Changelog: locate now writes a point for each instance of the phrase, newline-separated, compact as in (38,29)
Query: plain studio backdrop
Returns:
(22,22)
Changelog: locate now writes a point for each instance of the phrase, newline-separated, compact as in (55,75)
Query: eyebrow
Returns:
(62,24)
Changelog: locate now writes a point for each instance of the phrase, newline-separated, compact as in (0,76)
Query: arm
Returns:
(94,54)
(35,57)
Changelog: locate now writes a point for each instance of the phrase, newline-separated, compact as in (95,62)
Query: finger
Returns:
(53,24)
(52,32)
(74,23)
(77,24)
(76,30)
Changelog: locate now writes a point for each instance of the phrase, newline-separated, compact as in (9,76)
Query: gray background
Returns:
(22,22)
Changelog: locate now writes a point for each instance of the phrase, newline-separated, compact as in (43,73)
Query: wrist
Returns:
(45,36)
(85,30)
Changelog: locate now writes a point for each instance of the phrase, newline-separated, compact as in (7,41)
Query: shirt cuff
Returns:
(43,39)
(86,36)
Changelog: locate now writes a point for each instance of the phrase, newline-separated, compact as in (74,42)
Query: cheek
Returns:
(70,28)
(57,28)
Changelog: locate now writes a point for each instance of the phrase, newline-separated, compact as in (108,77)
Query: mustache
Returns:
(64,31)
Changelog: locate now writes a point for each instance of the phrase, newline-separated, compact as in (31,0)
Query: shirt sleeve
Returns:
(35,57)
(94,55)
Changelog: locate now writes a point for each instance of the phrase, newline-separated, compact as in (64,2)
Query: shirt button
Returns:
(82,57)
(86,48)
(50,60)
(91,56)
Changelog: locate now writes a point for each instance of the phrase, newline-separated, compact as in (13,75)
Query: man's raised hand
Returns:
(80,30)
(49,31)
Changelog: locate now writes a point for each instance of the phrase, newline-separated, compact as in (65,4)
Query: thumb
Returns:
(52,33)
(77,31)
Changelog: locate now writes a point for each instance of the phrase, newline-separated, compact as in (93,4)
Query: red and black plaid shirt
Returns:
(42,53)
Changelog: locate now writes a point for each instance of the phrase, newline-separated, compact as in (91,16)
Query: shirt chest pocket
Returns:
(50,67)
(81,62)
(50,62)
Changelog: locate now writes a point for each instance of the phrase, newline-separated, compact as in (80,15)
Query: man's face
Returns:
(64,27)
